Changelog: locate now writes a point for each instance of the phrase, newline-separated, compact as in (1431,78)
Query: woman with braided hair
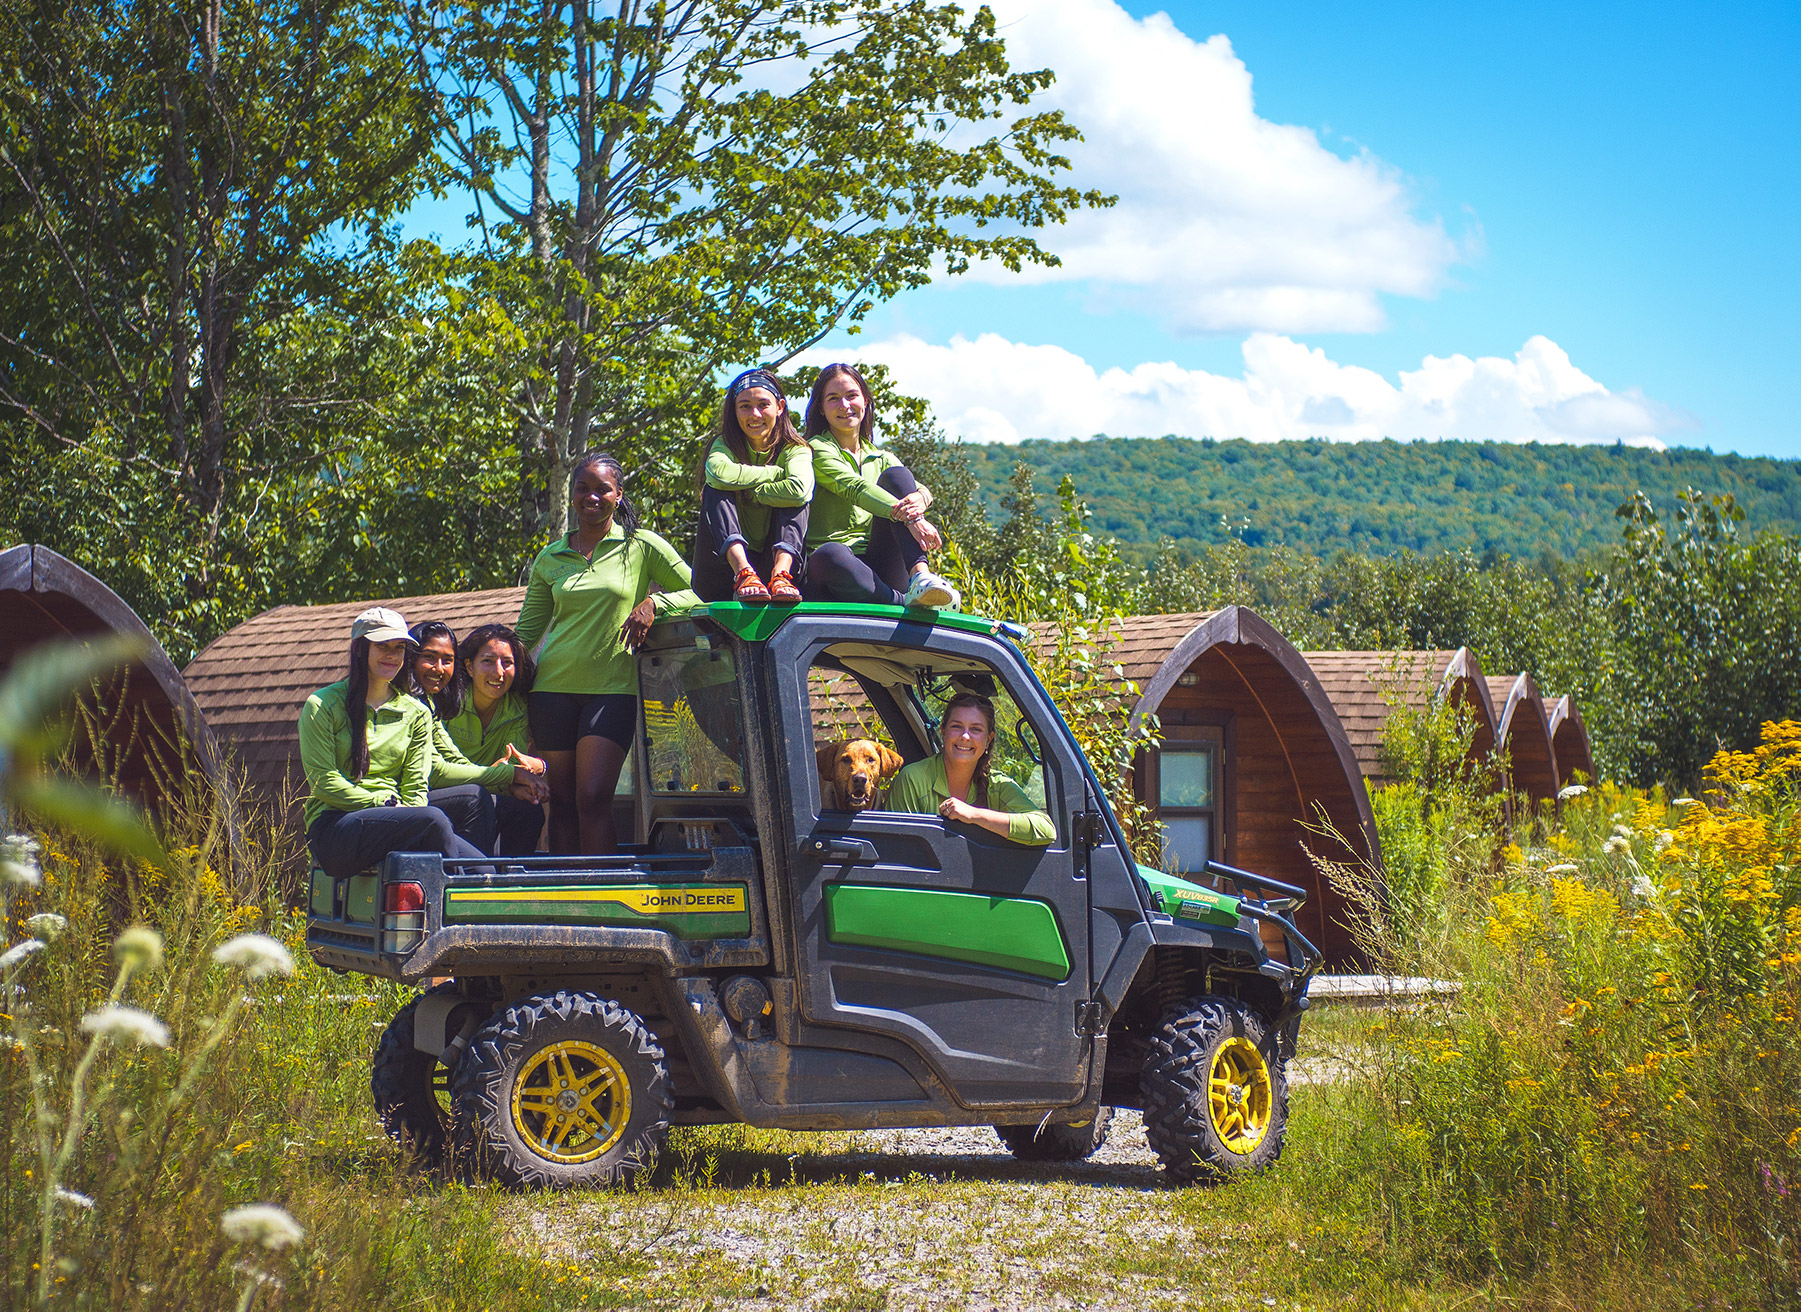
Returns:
(589,600)
(960,783)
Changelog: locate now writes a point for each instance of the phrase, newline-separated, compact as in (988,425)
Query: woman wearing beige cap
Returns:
(366,749)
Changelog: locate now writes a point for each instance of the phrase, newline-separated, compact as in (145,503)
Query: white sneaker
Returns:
(929,590)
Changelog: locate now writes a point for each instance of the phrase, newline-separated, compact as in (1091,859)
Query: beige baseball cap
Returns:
(379,624)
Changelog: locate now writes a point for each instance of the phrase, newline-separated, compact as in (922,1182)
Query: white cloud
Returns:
(993,390)
(1225,221)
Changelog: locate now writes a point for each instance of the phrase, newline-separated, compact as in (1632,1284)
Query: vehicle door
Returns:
(971,948)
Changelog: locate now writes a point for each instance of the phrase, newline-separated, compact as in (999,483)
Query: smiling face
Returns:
(435,665)
(758,409)
(386,659)
(845,405)
(594,496)
(967,734)
(491,672)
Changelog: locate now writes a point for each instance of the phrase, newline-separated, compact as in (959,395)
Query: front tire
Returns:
(1215,1091)
(1057,1143)
(561,1090)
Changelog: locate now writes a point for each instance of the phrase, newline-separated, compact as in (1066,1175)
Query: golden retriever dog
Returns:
(852,772)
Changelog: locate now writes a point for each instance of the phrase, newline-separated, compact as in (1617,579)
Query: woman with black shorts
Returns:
(589,600)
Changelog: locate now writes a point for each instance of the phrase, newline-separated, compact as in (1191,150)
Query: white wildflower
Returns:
(1568,791)
(261,1223)
(1664,839)
(1683,801)
(257,955)
(70,1197)
(1620,831)
(1567,868)
(1616,844)
(139,948)
(19,951)
(127,1024)
(1643,888)
(47,925)
(19,860)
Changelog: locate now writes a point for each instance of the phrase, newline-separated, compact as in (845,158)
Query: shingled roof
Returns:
(252,681)
(1365,687)
(1569,739)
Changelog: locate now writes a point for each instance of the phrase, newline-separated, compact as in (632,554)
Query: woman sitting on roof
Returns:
(867,535)
(589,600)
(366,748)
(756,485)
(492,724)
(461,787)
(960,784)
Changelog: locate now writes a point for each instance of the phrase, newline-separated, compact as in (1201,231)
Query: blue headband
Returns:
(755,378)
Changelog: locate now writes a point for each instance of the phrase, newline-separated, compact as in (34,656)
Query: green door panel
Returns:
(1013,933)
(688,911)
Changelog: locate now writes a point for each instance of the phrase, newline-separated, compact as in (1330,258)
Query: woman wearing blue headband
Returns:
(758,481)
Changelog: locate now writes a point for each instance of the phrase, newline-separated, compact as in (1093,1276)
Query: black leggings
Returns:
(521,825)
(471,811)
(719,528)
(880,571)
(346,843)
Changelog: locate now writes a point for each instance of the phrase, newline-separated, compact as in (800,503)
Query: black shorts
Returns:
(559,718)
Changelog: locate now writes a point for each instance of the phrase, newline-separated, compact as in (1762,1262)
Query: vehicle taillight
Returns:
(404,897)
(403,916)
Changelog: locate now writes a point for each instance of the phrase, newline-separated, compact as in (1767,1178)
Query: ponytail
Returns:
(356,707)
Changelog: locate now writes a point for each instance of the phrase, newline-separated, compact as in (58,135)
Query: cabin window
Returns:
(1187,789)
(692,737)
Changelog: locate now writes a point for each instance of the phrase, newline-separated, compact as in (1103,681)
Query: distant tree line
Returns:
(1522,500)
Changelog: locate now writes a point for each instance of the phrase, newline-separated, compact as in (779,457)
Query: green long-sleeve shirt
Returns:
(577,605)
(509,727)
(399,735)
(781,476)
(921,786)
(847,499)
(450,768)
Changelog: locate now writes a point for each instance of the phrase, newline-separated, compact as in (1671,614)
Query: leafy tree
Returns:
(676,187)
(177,181)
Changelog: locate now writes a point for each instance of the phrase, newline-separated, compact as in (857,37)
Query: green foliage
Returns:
(1525,500)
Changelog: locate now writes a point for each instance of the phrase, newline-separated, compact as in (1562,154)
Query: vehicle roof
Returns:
(759,623)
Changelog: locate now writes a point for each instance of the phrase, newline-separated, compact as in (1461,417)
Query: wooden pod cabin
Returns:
(1366,687)
(1252,753)
(1523,728)
(151,730)
(1569,743)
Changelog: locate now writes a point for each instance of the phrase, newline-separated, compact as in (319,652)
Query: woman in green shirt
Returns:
(492,724)
(589,602)
(960,784)
(365,747)
(461,787)
(755,489)
(867,534)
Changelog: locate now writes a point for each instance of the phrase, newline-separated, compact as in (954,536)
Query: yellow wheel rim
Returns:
(1239,1096)
(571,1102)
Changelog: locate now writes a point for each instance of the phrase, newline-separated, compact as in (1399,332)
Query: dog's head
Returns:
(856,769)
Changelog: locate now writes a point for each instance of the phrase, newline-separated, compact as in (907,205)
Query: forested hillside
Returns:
(1380,497)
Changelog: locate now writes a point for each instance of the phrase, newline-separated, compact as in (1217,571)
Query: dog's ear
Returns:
(891,760)
(827,757)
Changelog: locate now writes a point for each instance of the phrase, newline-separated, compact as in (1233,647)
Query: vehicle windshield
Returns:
(693,731)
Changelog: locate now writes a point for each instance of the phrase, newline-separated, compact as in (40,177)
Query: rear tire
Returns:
(1057,1143)
(558,1091)
(411,1088)
(1215,1091)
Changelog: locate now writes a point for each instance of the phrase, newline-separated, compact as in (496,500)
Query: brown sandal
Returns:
(748,589)
(781,587)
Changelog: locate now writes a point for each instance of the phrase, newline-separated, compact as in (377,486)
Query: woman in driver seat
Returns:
(960,784)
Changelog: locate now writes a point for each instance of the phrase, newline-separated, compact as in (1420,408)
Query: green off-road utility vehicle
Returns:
(761,957)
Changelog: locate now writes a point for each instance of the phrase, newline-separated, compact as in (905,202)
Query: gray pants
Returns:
(346,843)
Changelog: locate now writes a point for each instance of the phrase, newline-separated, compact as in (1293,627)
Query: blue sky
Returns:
(1621,181)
